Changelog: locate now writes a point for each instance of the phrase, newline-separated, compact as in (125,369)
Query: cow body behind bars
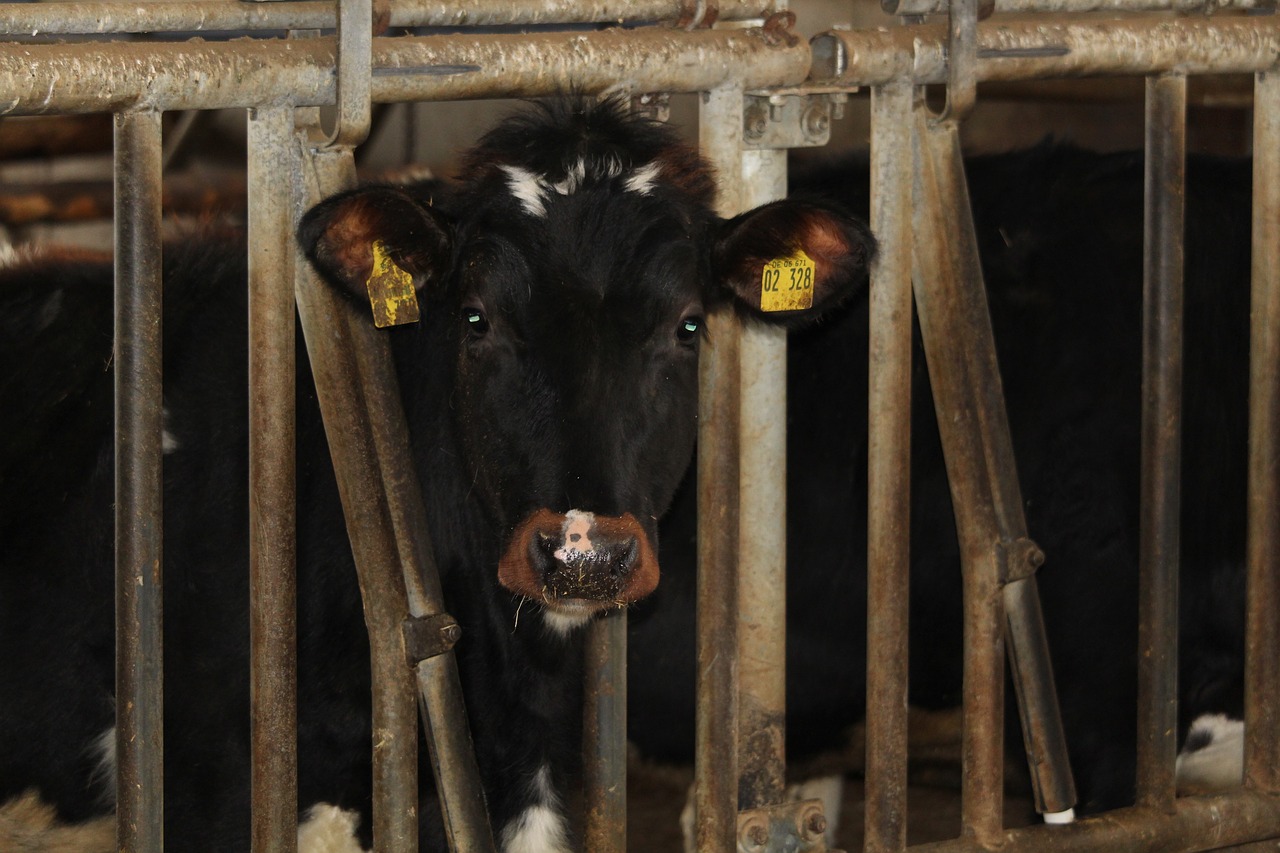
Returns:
(551,394)
(1060,234)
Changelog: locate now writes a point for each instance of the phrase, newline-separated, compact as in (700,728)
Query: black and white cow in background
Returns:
(551,393)
(1060,234)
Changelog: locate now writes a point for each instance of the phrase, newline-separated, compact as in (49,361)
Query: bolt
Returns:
(758,836)
(815,122)
(450,634)
(816,825)
(754,123)
(753,833)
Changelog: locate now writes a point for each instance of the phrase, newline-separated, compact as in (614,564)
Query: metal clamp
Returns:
(426,637)
(790,118)
(962,60)
(798,827)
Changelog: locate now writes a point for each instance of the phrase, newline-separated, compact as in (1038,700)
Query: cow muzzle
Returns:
(578,561)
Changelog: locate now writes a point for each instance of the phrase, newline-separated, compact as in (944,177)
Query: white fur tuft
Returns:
(528,188)
(328,829)
(1213,758)
(642,180)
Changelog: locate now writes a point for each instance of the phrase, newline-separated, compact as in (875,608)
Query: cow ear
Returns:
(344,235)
(788,261)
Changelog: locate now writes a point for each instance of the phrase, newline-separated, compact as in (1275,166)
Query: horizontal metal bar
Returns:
(1197,823)
(1019,7)
(168,16)
(36,79)
(1030,50)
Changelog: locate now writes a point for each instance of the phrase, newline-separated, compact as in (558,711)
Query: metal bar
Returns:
(889,470)
(945,268)
(762,543)
(1031,50)
(605,736)
(273,175)
(138,488)
(1160,513)
(247,73)
(238,16)
(1022,7)
(354,110)
(1197,823)
(443,712)
(716,741)
(1262,661)
(335,339)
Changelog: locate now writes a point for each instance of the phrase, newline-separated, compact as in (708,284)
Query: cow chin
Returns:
(578,563)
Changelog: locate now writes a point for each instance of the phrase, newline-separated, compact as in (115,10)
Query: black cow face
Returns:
(579,256)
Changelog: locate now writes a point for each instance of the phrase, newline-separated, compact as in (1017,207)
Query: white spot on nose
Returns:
(576,533)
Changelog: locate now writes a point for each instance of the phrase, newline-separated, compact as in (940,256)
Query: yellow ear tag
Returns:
(786,284)
(391,291)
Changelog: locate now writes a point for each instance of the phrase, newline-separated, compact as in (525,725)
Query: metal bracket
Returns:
(790,119)
(429,636)
(798,827)
(1021,559)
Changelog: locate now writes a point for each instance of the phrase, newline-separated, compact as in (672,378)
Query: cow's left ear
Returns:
(346,235)
(788,261)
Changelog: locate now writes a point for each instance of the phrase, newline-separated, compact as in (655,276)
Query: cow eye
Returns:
(477,325)
(687,331)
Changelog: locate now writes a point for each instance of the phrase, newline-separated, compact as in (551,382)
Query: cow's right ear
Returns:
(345,234)
(788,261)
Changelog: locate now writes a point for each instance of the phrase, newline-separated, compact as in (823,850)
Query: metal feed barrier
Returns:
(764,91)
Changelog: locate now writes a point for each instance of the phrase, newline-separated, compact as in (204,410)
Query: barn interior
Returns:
(56,177)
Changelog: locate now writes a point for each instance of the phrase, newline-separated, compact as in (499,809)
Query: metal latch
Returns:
(428,636)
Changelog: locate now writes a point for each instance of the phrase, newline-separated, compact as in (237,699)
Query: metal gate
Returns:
(763,91)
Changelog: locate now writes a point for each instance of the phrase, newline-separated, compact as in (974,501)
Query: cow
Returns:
(550,389)
(1060,236)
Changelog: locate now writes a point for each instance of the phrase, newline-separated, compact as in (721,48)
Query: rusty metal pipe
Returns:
(249,73)
(1033,50)
(762,543)
(335,340)
(1262,662)
(1022,7)
(273,175)
(1196,823)
(1160,513)
(719,403)
(889,470)
(138,486)
(237,16)
(945,267)
(604,715)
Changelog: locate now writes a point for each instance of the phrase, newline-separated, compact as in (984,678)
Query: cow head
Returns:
(575,260)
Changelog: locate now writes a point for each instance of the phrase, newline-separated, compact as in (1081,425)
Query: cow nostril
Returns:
(627,556)
(542,552)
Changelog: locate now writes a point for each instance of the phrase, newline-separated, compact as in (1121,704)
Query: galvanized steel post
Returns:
(1160,514)
(139,490)
(889,469)
(1262,661)
(719,404)
(274,175)
(762,540)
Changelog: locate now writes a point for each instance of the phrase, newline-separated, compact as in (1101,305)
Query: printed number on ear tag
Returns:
(786,284)
(391,292)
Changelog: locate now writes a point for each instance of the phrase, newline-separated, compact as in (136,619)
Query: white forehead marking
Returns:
(641,181)
(528,188)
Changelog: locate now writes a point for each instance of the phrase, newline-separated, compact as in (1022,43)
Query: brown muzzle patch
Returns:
(581,557)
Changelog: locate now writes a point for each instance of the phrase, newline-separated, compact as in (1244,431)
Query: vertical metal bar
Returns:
(1262,682)
(967,395)
(605,735)
(1158,561)
(762,542)
(273,177)
(138,419)
(340,347)
(889,470)
(716,740)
